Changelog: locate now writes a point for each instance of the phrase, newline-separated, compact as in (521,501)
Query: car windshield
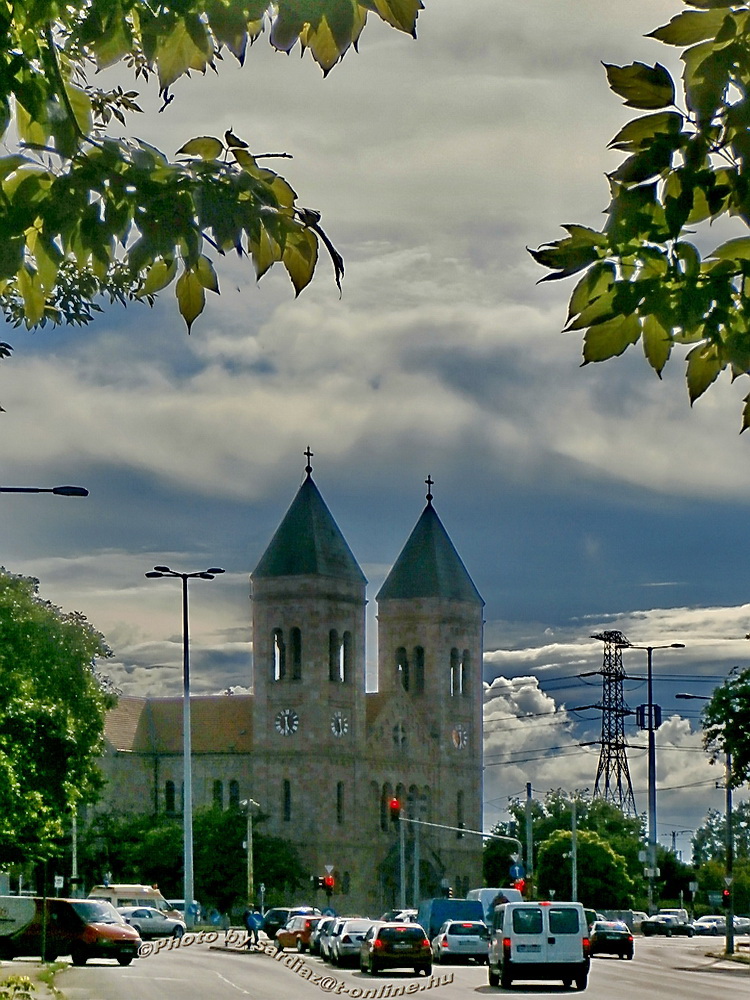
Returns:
(401,933)
(97,912)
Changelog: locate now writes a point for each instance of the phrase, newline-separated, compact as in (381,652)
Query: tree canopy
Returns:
(603,880)
(85,215)
(52,708)
(726,725)
(653,273)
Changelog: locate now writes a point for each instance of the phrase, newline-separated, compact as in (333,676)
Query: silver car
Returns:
(347,942)
(461,941)
(151,923)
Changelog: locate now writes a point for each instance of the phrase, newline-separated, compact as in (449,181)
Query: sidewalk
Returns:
(33,969)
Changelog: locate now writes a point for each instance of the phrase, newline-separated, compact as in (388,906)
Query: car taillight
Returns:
(586,945)
(444,942)
(425,943)
(377,943)
(506,949)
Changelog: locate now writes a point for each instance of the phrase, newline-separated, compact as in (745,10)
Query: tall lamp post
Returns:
(187,803)
(651,727)
(247,806)
(729,946)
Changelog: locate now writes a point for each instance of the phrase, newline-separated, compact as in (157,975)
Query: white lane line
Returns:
(233,985)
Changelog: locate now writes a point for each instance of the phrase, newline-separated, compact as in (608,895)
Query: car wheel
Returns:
(300,945)
(506,980)
(124,959)
(178,932)
(493,977)
(582,982)
(137,929)
(374,969)
(567,983)
(79,956)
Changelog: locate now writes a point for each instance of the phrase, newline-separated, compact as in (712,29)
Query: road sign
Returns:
(517,871)
(58,881)
(329,868)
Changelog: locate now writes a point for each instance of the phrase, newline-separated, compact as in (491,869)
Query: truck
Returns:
(432,913)
(131,894)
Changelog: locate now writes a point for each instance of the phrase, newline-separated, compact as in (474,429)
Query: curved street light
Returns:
(187,804)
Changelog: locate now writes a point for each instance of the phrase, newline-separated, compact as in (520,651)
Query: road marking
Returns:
(233,985)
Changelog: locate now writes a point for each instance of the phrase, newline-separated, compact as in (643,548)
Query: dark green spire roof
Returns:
(308,542)
(429,566)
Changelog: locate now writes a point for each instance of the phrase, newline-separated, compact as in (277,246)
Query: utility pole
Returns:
(529,838)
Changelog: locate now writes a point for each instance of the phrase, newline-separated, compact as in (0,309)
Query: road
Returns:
(663,969)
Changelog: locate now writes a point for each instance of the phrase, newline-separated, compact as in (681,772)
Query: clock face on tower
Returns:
(339,724)
(459,736)
(287,721)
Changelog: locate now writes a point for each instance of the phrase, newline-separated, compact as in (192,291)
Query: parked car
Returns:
(393,946)
(152,923)
(638,917)
(666,924)
(610,937)
(296,933)
(322,927)
(348,939)
(279,916)
(716,924)
(461,941)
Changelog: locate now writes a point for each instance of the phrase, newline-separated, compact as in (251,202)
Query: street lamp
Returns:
(187,804)
(729,946)
(60,491)
(247,806)
(652,837)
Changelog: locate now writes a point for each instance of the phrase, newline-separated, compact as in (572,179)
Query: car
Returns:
(322,927)
(461,941)
(399,916)
(296,933)
(610,937)
(346,943)
(393,946)
(279,916)
(638,917)
(667,925)
(152,923)
(179,906)
(711,923)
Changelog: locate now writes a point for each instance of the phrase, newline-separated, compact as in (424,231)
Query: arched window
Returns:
(340,802)
(465,672)
(459,814)
(218,795)
(234,794)
(418,669)
(456,674)
(346,658)
(295,652)
(402,668)
(169,797)
(286,800)
(279,655)
(334,656)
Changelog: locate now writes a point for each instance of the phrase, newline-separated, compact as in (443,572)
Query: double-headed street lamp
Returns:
(187,795)
(729,947)
(650,720)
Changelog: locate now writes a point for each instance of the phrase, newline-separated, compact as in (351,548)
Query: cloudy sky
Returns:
(578,499)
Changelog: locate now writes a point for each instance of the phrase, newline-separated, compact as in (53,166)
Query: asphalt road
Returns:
(663,969)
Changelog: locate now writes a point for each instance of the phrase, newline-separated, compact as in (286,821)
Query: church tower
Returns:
(308,596)
(430,622)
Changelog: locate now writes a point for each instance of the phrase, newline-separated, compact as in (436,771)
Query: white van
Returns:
(545,940)
(134,895)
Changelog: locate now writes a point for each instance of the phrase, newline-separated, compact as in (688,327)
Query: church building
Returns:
(321,754)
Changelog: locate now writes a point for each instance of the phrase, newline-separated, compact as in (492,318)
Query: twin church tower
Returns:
(321,754)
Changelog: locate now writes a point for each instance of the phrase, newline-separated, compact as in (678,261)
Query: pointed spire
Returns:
(429,565)
(308,542)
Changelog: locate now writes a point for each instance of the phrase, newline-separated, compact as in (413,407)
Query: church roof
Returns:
(429,566)
(219,724)
(308,542)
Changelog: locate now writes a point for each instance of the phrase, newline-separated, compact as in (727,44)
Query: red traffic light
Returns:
(328,882)
(726,895)
(520,884)
(394,807)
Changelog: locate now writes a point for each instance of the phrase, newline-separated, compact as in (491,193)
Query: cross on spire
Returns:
(430,483)
(308,454)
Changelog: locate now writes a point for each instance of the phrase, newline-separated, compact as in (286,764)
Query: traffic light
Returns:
(394,807)
(328,884)
(321,881)
(726,896)
(520,884)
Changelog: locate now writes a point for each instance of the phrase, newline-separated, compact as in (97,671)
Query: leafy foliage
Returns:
(603,880)
(726,725)
(52,709)
(710,841)
(648,274)
(147,848)
(85,215)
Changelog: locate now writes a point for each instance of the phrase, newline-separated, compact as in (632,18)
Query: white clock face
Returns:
(459,736)
(287,721)
(339,724)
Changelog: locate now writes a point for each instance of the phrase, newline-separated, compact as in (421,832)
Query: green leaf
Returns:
(690,27)
(640,131)
(159,275)
(116,41)
(736,249)
(647,87)
(206,274)
(207,147)
(300,257)
(609,340)
(191,297)
(398,13)
(597,280)
(657,344)
(703,368)
(32,292)
(177,53)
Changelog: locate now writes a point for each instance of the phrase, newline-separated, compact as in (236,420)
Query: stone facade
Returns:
(321,755)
